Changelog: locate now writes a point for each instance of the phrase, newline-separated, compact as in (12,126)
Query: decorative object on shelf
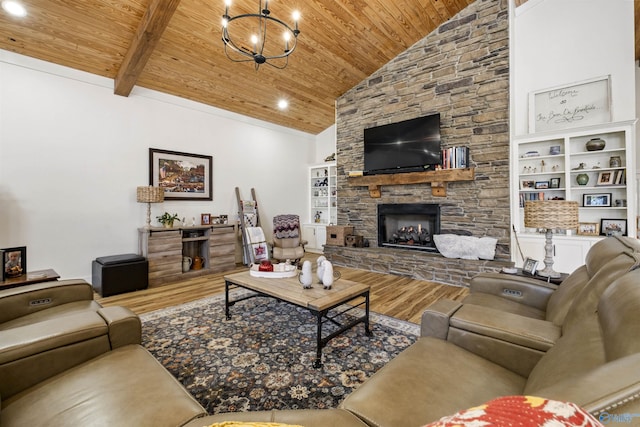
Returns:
(186,264)
(554,150)
(14,262)
(263,50)
(198,262)
(306,276)
(580,167)
(615,162)
(589,229)
(621,203)
(599,200)
(182,176)
(595,144)
(582,179)
(330,158)
(613,227)
(542,185)
(550,215)
(167,220)
(554,183)
(148,195)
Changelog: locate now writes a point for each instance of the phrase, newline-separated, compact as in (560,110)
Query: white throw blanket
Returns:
(257,243)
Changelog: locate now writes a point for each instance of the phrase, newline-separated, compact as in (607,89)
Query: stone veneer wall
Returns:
(461,70)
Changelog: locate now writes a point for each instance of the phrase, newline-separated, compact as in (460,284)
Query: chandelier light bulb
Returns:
(283,104)
(296,15)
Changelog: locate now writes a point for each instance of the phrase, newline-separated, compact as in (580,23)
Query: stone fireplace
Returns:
(408,225)
(461,71)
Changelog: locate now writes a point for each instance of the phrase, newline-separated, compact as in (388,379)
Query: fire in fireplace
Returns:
(408,225)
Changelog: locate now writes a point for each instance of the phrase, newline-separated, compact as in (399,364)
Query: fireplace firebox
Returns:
(408,225)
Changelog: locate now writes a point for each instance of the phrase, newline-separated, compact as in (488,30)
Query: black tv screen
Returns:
(408,145)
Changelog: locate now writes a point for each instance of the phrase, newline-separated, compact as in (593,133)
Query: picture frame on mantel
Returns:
(577,104)
(183,176)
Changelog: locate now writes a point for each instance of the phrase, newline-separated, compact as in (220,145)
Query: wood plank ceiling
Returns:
(174,46)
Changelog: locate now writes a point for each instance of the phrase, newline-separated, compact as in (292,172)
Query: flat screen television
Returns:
(406,146)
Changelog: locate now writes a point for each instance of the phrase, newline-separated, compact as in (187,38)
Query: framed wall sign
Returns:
(578,104)
(183,176)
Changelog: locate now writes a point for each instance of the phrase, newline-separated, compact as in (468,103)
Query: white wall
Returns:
(557,42)
(325,143)
(72,154)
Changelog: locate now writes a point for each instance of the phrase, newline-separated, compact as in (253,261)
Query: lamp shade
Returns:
(551,214)
(150,194)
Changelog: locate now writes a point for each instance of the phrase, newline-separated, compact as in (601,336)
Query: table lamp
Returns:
(149,195)
(550,215)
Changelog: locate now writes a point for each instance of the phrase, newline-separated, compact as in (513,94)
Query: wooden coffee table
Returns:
(317,300)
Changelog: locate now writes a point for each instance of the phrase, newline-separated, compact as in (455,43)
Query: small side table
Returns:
(36,276)
(554,280)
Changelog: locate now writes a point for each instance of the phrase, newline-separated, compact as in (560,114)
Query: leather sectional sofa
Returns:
(579,342)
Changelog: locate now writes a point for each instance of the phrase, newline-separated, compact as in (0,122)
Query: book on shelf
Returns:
(455,158)
(532,196)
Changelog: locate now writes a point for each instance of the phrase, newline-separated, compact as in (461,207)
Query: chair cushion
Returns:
(123,387)
(464,379)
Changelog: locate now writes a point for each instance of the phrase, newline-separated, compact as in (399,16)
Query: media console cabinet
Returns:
(165,248)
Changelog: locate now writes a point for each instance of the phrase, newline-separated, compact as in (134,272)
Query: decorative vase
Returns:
(615,162)
(186,264)
(198,262)
(595,144)
(582,179)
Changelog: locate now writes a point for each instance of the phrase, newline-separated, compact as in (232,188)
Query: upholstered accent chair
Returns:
(287,241)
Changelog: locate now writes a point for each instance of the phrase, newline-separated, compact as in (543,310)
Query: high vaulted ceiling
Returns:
(174,46)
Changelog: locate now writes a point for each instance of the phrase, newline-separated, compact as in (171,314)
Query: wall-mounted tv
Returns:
(406,146)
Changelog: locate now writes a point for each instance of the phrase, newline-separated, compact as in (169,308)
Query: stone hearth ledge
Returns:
(418,265)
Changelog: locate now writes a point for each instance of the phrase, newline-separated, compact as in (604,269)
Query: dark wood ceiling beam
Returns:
(152,26)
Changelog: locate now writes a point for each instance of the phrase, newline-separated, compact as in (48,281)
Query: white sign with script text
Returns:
(580,104)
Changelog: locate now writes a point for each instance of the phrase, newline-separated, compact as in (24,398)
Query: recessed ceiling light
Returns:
(14,8)
(283,104)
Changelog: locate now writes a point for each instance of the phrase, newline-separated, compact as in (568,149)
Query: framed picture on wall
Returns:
(183,176)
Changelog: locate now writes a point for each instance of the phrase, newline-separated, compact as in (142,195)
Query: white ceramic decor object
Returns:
(320,270)
(327,274)
(306,276)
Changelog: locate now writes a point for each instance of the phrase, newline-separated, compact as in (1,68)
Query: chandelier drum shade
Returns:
(259,37)
(148,195)
(550,215)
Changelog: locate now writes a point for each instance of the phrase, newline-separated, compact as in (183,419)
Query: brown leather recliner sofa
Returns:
(592,362)
(67,361)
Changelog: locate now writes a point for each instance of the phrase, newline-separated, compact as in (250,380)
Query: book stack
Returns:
(455,157)
(526,197)
(620,177)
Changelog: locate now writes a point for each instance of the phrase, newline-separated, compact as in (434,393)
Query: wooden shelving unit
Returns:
(438,180)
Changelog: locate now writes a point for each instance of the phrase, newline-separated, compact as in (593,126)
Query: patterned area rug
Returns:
(262,358)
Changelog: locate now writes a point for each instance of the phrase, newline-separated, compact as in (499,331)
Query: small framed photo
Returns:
(598,200)
(613,227)
(530,265)
(205,219)
(589,229)
(527,185)
(14,262)
(554,183)
(542,184)
(605,178)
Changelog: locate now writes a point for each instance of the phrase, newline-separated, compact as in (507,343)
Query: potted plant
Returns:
(167,219)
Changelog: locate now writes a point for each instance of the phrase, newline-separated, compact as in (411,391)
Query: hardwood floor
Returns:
(400,297)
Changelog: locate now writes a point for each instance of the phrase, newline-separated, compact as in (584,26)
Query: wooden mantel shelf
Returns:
(438,180)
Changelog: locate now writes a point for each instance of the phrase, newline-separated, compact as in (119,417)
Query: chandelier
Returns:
(245,37)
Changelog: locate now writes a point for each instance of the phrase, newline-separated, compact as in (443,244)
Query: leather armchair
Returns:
(49,327)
